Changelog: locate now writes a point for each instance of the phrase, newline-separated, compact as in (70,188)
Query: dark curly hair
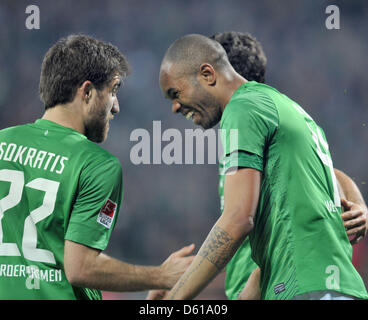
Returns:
(245,54)
(75,59)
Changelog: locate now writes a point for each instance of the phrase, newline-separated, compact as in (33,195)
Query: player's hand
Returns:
(355,220)
(157,294)
(175,265)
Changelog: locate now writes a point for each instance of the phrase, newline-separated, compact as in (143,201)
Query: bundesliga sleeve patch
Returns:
(106,215)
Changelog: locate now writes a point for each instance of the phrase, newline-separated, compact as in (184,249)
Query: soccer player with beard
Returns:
(282,192)
(60,193)
(247,57)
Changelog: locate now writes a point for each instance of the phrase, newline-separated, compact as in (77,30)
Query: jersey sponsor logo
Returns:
(106,215)
(279,288)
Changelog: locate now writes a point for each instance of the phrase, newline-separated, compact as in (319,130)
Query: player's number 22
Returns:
(29,241)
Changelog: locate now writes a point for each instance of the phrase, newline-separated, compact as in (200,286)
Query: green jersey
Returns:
(298,240)
(55,185)
(241,265)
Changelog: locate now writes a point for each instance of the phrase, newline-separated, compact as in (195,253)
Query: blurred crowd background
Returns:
(166,207)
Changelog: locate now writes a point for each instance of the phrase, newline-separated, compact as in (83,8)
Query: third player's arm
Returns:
(241,195)
(350,190)
(355,215)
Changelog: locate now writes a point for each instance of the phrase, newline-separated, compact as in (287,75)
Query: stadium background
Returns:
(167,207)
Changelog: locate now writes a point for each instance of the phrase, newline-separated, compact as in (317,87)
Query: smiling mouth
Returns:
(189,115)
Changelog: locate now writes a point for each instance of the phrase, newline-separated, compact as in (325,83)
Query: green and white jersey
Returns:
(298,239)
(55,185)
(241,265)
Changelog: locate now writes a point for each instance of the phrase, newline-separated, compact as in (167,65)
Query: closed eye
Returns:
(172,94)
(116,88)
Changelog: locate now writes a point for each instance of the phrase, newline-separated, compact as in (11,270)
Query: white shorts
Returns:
(323,295)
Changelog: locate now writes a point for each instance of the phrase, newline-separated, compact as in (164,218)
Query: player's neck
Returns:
(65,116)
(231,85)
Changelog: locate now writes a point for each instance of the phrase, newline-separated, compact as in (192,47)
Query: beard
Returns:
(96,126)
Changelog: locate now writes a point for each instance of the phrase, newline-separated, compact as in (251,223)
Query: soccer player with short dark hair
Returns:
(247,57)
(60,193)
(282,191)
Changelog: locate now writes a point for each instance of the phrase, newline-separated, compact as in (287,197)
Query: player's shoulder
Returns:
(14,129)
(96,156)
(251,98)
(96,152)
(99,152)
(248,94)
(255,92)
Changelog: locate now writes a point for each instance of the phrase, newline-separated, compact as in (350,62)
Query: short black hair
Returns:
(245,54)
(75,59)
(191,50)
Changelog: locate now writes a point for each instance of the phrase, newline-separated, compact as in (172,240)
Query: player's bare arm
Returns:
(355,209)
(91,268)
(241,198)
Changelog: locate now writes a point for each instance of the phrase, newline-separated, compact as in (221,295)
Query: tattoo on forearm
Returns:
(182,281)
(217,247)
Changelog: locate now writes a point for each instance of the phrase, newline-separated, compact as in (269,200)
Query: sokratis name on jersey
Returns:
(32,157)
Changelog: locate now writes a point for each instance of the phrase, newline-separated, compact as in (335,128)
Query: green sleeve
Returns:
(97,205)
(244,160)
(247,127)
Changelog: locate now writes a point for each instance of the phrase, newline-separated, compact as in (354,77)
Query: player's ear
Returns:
(85,91)
(207,73)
